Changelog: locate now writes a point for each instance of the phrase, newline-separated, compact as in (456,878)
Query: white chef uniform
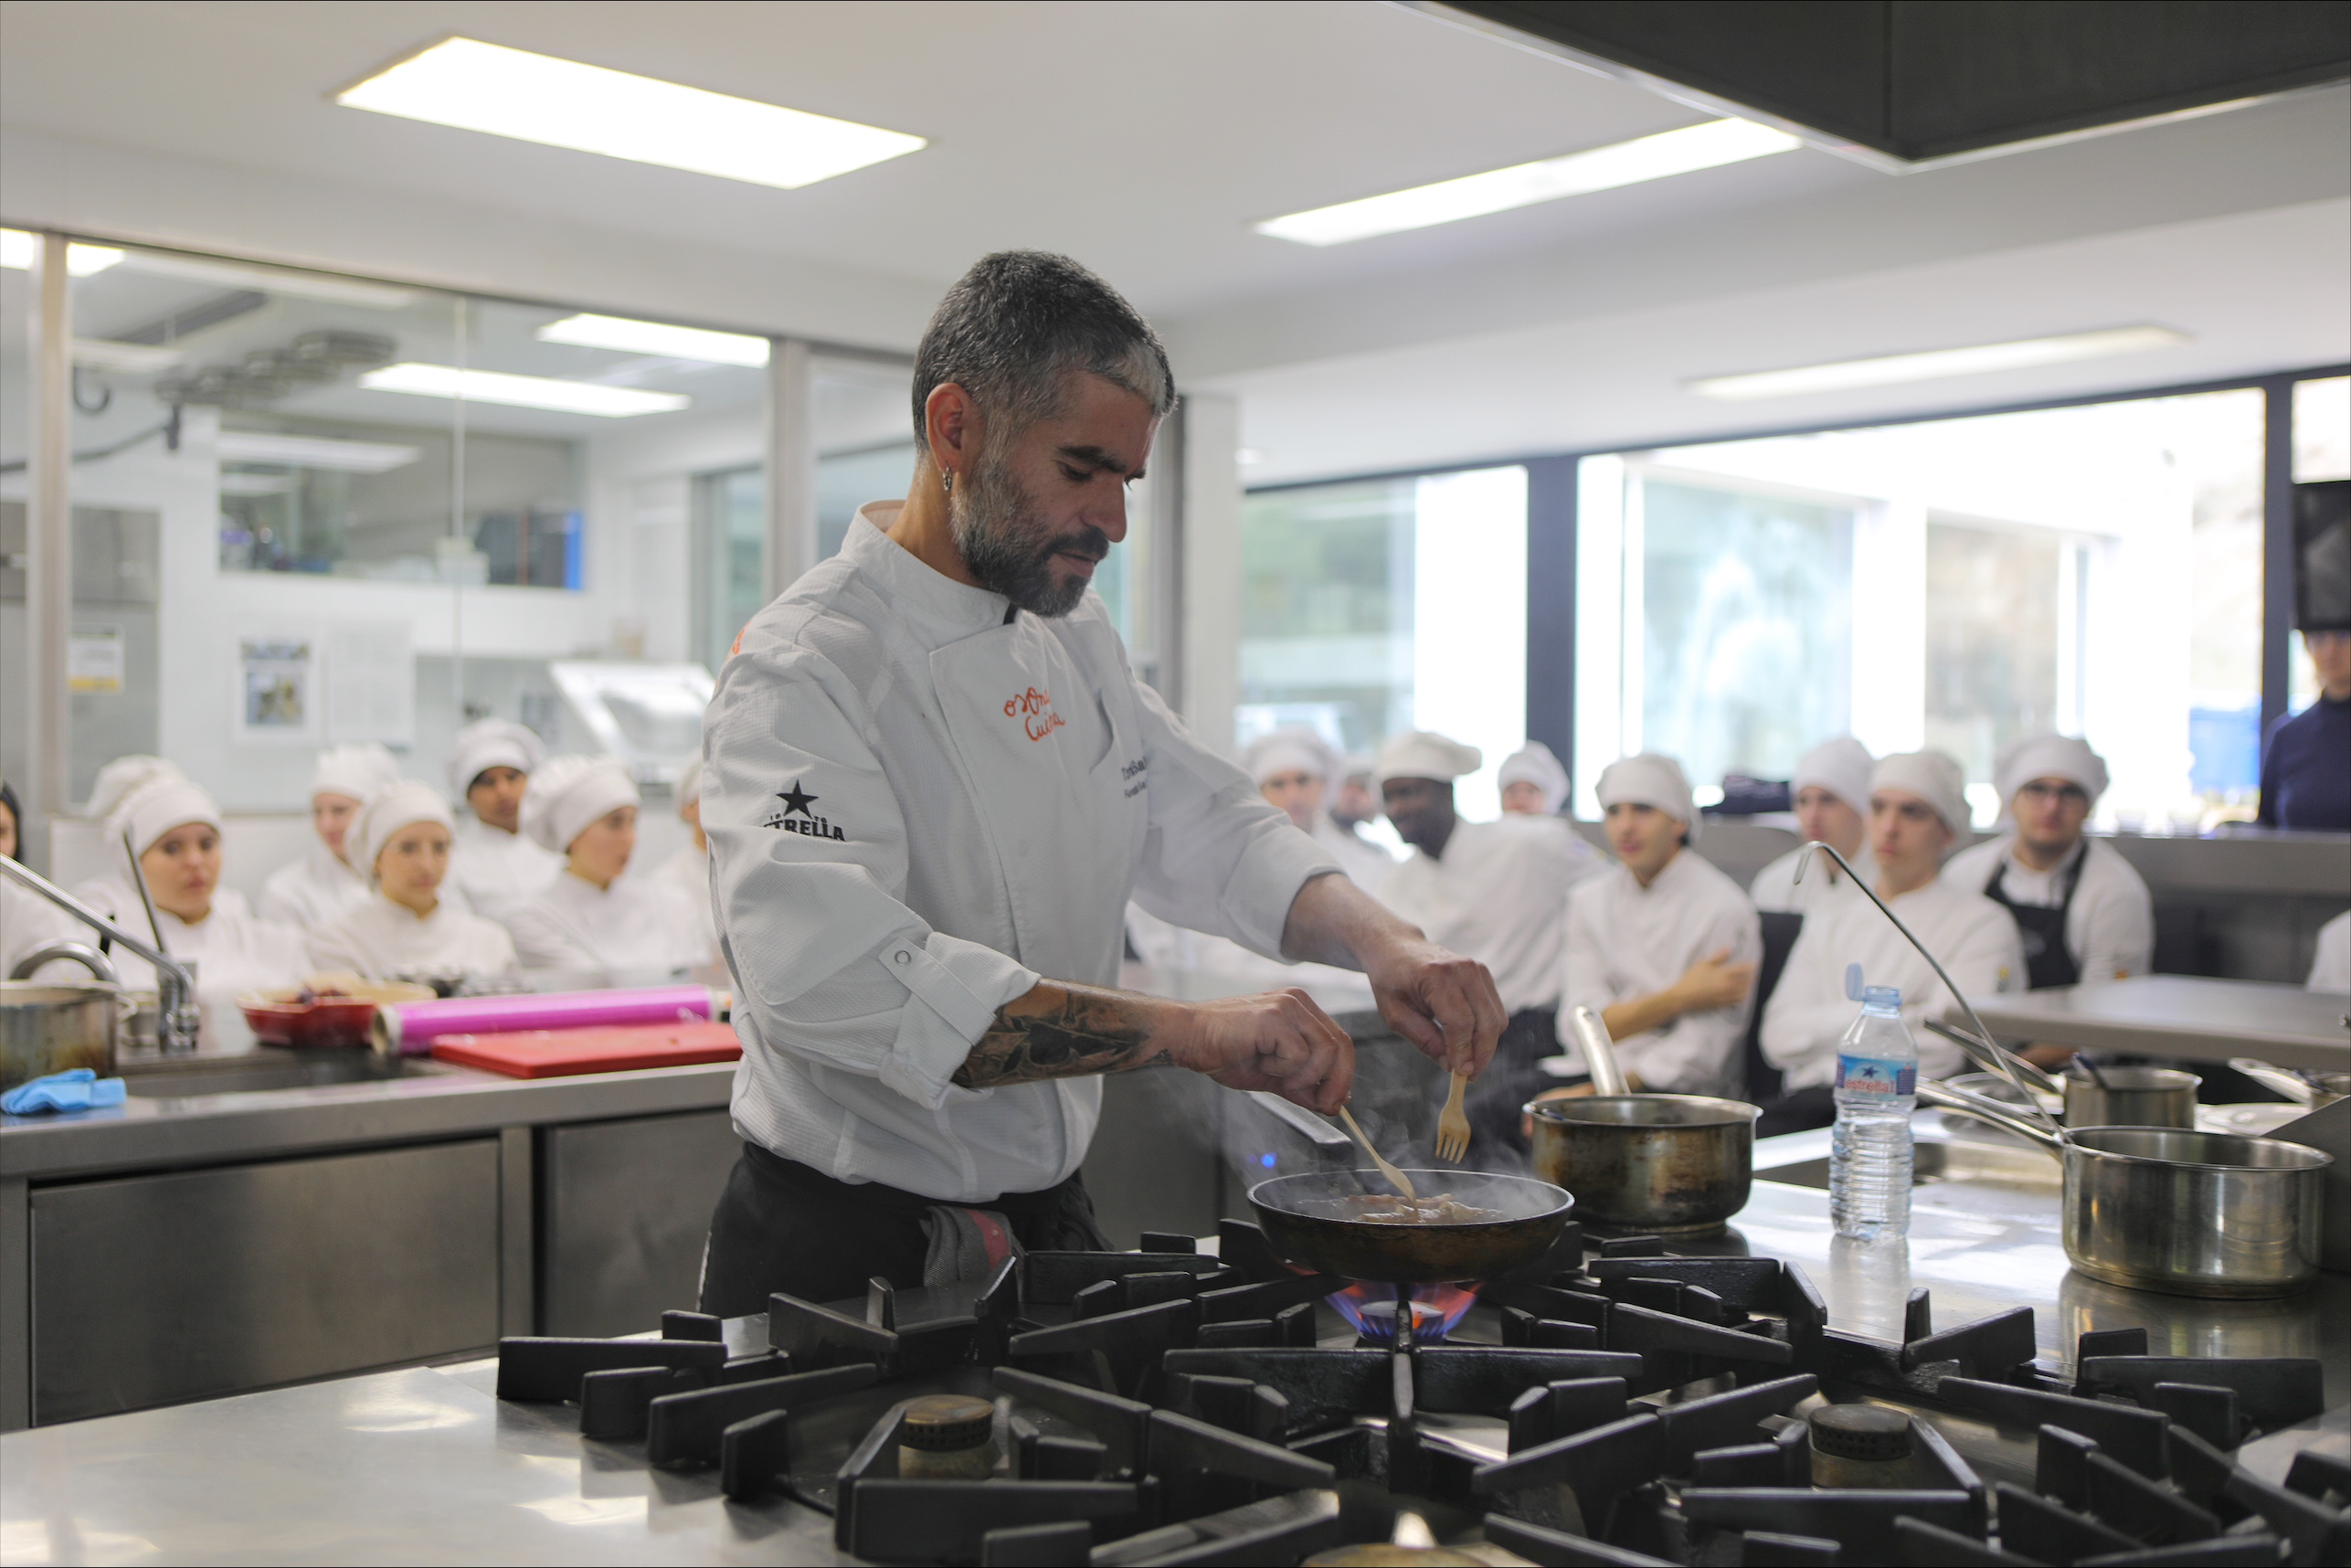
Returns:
(1776,891)
(28,921)
(687,874)
(1626,941)
(2110,929)
(2330,968)
(1973,937)
(1366,864)
(379,939)
(312,892)
(635,932)
(918,803)
(491,869)
(1499,895)
(235,949)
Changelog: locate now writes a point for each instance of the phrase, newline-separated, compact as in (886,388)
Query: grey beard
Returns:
(989,515)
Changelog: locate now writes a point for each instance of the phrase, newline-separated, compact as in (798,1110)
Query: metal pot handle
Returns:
(1943,1097)
(2278,1078)
(1993,1059)
(1599,1054)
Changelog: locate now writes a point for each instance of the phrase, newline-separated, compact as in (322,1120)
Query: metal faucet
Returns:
(176,1019)
(1998,1057)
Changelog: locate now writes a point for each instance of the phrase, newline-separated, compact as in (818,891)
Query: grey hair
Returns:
(1012,328)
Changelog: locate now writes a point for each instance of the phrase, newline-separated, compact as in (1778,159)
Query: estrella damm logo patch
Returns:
(795,817)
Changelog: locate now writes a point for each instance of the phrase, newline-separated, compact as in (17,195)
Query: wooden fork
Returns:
(1452,1127)
(1402,1183)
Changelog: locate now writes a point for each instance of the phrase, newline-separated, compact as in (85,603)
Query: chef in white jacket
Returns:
(175,829)
(1497,891)
(404,928)
(1533,782)
(687,871)
(1918,808)
(493,864)
(312,892)
(1296,769)
(1662,945)
(1832,806)
(931,783)
(592,925)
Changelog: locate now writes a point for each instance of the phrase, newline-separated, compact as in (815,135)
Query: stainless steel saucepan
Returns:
(2093,1095)
(2182,1212)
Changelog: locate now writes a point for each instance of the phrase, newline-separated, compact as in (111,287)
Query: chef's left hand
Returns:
(1440,1001)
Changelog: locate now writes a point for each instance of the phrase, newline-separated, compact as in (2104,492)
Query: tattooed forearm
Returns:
(1062,1032)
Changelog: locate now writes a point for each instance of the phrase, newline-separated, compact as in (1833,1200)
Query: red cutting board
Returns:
(610,1048)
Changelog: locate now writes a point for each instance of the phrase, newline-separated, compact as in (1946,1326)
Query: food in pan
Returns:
(1382,1209)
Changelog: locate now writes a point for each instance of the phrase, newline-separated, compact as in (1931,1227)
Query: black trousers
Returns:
(781,1225)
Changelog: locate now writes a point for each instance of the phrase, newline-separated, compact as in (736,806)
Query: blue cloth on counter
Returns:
(76,1089)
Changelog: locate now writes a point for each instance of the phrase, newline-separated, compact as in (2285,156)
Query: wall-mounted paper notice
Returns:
(277,687)
(371,683)
(93,660)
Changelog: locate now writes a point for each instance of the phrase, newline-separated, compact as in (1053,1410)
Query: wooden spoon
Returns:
(1402,1183)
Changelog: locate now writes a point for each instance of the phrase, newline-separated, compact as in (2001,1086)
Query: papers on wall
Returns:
(276,689)
(93,660)
(371,683)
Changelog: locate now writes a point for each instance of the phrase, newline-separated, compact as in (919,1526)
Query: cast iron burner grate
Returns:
(1163,1407)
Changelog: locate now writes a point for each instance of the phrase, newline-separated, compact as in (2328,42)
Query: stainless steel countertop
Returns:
(2184,1016)
(424,1465)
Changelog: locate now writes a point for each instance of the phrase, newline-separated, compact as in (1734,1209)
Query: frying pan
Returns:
(1304,1216)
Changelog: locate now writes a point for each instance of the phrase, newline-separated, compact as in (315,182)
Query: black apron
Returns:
(2041,928)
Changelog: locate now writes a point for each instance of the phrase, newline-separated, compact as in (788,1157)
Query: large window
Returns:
(1953,583)
(1383,605)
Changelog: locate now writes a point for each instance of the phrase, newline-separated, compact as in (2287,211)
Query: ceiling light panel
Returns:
(654,337)
(522,391)
(312,451)
(475,86)
(1669,153)
(19,249)
(1935,364)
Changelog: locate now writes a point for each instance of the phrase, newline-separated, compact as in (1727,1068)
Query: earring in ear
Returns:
(947,480)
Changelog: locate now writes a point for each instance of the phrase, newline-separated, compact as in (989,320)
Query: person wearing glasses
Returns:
(2082,912)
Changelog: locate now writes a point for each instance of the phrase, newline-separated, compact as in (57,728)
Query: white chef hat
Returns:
(1423,754)
(354,772)
(568,793)
(389,810)
(690,783)
(166,801)
(1534,764)
(2035,756)
(1841,767)
(493,743)
(1933,777)
(1354,766)
(1293,748)
(119,777)
(1651,779)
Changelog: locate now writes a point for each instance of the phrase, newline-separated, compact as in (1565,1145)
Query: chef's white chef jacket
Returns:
(687,872)
(2330,966)
(491,869)
(2110,930)
(312,891)
(234,950)
(1975,938)
(379,939)
(1498,894)
(918,803)
(1775,890)
(635,932)
(1367,866)
(1626,941)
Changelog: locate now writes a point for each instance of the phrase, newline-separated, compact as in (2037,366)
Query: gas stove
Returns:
(1621,1402)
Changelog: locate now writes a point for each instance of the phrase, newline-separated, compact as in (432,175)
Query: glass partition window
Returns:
(1953,583)
(2322,455)
(1377,605)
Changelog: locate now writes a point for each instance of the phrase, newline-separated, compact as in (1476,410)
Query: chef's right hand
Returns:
(1279,1040)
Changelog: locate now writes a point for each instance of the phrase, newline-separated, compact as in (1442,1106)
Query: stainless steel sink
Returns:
(2011,1165)
(264,1069)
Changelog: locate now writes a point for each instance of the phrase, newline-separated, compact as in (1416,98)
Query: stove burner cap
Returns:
(1379,1554)
(1860,1432)
(944,1422)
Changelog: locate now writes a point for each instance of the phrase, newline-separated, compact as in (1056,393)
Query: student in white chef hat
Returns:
(492,863)
(318,887)
(592,923)
(1831,789)
(1296,770)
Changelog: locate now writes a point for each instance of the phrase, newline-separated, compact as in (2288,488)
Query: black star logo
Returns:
(796,800)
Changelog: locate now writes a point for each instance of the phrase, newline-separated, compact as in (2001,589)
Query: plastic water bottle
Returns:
(1877,1089)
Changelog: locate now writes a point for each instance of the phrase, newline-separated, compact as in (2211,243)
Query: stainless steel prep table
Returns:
(2187,1017)
(424,1465)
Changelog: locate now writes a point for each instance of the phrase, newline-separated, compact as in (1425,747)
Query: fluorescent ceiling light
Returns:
(19,249)
(129,359)
(1707,146)
(475,86)
(313,451)
(653,337)
(522,391)
(1888,370)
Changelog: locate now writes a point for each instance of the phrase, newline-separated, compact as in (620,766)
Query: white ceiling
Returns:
(1145,137)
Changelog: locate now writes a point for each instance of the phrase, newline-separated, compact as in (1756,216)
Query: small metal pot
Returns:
(2185,1214)
(47,1029)
(2132,1096)
(1657,1164)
